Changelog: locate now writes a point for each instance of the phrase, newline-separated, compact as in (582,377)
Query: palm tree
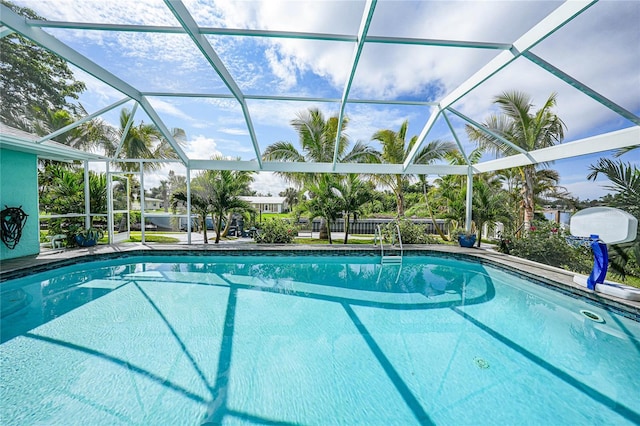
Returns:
(226,185)
(97,194)
(317,137)
(353,193)
(546,186)
(291,197)
(216,193)
(94,133)
(512,184)
(525,129)
(145,141)
(199,203)
(489,204)
(241,185)
(625,182)
(65,193)
(323,201)
(164,193)
(395,150)
(450,195)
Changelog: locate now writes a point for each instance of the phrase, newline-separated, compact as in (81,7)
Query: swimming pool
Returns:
(309,340)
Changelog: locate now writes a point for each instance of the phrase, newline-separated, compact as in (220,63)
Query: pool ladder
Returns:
(393,253)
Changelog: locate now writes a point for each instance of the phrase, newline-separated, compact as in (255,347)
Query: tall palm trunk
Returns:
(324,232)
(218,225)
(479,233)
(399,196)
(204,229)
(433,220)
(346,229)
(227,225)
(528,201)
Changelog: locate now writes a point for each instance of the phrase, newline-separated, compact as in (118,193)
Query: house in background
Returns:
(149,204)
(267,204)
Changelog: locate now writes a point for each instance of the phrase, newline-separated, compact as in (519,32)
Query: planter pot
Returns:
(88,237)
(466,240)
(84,242)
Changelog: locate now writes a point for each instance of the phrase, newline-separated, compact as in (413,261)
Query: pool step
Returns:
(392,259)
(395,251)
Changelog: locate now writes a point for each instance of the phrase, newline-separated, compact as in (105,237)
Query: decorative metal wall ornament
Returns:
(12,220)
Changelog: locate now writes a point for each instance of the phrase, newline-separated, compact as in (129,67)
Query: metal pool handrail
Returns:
(378,236)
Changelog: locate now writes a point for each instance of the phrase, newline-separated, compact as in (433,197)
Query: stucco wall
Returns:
(19,187)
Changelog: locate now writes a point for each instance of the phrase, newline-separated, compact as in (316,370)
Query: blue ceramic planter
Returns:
(466,240)
(88,237)
(84,242)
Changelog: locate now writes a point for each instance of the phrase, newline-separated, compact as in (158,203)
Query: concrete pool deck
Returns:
(555,277)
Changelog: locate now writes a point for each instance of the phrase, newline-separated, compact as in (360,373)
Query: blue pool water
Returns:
(308,341)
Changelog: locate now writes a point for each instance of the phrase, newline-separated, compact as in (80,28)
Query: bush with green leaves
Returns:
(276,231)
(546,243)
(410,232)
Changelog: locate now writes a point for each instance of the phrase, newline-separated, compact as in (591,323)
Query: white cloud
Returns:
(268,182)
(201,148)
(229,131)
(166,107)
(365,120)
(283,68)
(148,12)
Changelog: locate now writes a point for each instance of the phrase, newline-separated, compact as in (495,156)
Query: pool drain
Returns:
(591,315)
(481,363)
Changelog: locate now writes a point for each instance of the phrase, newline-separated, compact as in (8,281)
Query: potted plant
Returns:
(88,237)
(466,239)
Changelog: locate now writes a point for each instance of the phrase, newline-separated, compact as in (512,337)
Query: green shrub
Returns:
(276,231)
(68,226)
(411,233)
(546,243)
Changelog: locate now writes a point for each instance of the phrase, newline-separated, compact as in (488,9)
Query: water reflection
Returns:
(356,280)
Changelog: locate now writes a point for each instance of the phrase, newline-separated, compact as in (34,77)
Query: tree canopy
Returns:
(32,79)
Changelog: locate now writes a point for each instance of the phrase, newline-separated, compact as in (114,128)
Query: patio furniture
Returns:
(56,241)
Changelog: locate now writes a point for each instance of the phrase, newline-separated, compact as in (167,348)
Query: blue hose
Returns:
(600,262)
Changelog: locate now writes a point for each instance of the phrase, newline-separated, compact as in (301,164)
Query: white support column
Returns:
(188,205)
(142,222)
(87,198)
(469,198)
(109,204)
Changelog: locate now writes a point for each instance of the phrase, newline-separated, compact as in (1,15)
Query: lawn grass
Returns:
(629,280)
(136,237)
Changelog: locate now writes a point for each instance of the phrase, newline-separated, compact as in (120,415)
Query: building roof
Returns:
(264,200)
(18,140)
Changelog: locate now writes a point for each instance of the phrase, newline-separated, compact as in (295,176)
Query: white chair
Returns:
(57,240)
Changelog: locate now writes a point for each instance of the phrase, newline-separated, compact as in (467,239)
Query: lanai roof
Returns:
(247,64)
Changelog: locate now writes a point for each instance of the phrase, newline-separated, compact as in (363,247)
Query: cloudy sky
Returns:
(598,48)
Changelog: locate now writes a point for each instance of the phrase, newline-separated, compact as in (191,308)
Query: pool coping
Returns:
(532,271)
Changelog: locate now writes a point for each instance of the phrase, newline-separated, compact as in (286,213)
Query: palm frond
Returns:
(621,151)
(282,151)
(434,150)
